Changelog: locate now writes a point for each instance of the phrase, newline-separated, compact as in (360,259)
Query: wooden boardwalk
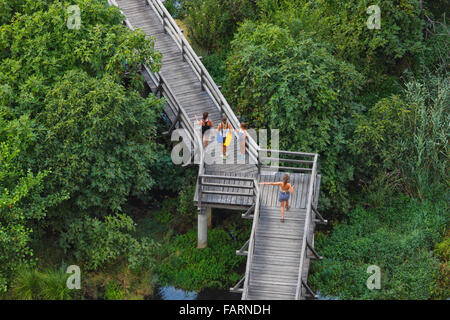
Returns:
(276,257)
(278,253)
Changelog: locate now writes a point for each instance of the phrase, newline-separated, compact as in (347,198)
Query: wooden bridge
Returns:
(278,254)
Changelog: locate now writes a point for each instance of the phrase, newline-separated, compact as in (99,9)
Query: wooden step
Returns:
(276,260)
(276,288)
(268,275)
(276,251)
(277,242)
(278,235)
(281,227)
(259,295)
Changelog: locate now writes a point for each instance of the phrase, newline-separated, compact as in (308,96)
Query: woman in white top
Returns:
(241,135)
(223,128)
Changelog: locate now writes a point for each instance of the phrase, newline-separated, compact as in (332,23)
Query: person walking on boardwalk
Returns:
(285,190)
(206,124)
(224,128)
(242,135)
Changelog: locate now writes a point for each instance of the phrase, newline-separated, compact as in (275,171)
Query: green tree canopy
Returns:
(298,87)
(77,137)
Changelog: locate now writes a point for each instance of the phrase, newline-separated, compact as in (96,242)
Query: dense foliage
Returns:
(77,137)
(299,88)
(397,238)
(21,198)
(190,268)
(374,104)
(408,135)
(95,243)
(212,23)
(82,159)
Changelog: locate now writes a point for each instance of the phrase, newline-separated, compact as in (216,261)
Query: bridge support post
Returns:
(209,214)
(202,226)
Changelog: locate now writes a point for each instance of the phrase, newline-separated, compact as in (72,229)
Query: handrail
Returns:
(311,187)
(127,22)
(199,69)
(251,245)
(305,165)
(253,148)
(171,99)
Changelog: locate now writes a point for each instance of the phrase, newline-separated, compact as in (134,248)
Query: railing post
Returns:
(259,162)
(182,50)
(164,21)
(160,87)
(201,78)
(221,107)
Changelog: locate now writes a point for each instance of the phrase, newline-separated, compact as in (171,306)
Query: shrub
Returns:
(32,284)
(394,46)
(92,127)
(113,292)
(190,268)
(408,135)
(211,23)
(442,249)
(96,243)
(22,200)
(398,238)
(298,87)
(179,213)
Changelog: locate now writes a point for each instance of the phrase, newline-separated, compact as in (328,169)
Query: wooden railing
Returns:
(251,245)
(253,149)
(200,71)
(230,184)
(308,220)
(164,90)
(285,161)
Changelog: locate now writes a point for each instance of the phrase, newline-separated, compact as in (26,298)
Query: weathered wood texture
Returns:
(277,247)
(275,268)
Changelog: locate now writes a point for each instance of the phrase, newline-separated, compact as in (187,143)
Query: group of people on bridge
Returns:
(224,136)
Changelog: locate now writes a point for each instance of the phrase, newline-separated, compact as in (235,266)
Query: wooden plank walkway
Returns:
(183,81)
(277,247)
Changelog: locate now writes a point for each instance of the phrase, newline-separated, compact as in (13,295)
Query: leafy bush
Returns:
(211,23)
(215,64)
(101,146)
(298,87)
(179,213)
(408,135)
(96,243)
(190,268)
(398,238)
(442,248)
(84,101)
(32,284)
(344,24)
(114,292)
(22,201)
(175,8)
(142,254)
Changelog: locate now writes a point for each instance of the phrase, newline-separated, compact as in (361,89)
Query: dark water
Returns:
(321,297)
(172,293)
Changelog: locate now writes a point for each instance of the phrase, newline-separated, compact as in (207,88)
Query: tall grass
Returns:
(428,165)
(32,284)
